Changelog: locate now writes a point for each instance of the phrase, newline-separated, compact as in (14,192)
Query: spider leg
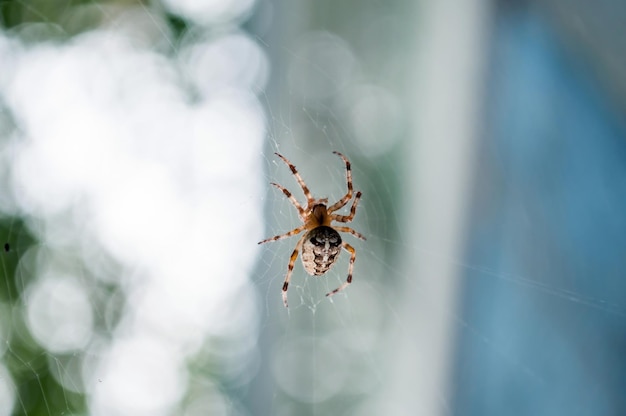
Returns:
(292,199)
(349,217)
(281,236)
(292,262)
(352,252)
(351,231)
(348,196)
(294,171)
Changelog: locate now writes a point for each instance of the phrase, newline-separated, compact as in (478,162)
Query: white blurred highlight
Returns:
(59,313)
(210,11)
(116,157)
(7,389)
(141,375)
(231,59)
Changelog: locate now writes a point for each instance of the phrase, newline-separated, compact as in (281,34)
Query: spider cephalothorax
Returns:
(322,242)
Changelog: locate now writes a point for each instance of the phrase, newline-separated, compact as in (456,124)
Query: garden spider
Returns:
(322,243)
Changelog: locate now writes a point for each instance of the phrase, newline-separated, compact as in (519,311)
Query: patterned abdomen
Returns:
(320,250)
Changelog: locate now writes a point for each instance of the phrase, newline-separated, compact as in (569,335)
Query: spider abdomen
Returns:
(320,250)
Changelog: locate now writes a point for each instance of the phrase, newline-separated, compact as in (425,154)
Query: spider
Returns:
(322,243)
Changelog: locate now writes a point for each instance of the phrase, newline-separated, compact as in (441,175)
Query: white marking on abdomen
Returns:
(326,249)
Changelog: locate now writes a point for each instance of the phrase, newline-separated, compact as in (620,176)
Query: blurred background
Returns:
(136,150)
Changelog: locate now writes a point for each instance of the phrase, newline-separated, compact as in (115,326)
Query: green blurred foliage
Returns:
(17,12)
(15,240)
(60,17)
(37,391)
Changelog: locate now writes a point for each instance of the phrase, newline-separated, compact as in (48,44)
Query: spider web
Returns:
(329,357)
(185,312)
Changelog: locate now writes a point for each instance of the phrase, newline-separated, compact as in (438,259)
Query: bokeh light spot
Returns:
(59,313)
